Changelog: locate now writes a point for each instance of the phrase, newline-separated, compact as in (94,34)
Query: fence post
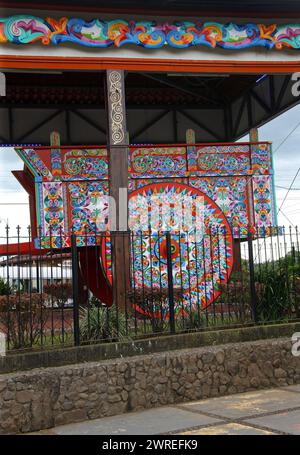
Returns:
(75,289)
(253,295)
(170,283)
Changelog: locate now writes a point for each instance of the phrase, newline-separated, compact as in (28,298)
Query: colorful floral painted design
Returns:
(213,160)
(88,203)
(264,203)
(201,256)
(232,196)
(34,162)
(231,175)
(53,227)
(56,162)
(261,158)
(85,163)
(158,162)
(288,36)
(97,33)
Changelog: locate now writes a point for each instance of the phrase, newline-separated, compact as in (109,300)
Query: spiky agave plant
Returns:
(98,322)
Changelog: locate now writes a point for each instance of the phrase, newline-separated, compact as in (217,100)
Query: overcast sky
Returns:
(286,161)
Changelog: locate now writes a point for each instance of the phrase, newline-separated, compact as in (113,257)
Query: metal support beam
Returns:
(175,126)
(228,122)
(182,87)
(239,116)
(68,126)
(89,121)
(39,125)
(249,109)
(260,101)
(282,92)
(99,107)
(272,93)
(149,124)
(201,125)
(11,125)
(279,99)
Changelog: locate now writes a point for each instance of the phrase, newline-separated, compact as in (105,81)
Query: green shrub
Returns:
(191,320)
(296,286)
(275,302)
(4,287)
(152,306)
(23,318)
(98,322)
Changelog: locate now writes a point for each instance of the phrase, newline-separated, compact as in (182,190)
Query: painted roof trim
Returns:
(97,33)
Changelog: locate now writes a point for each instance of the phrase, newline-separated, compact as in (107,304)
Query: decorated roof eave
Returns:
(33,162)
(182,8)
(97,33)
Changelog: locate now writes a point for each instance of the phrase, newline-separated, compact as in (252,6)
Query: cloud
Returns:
(12,193)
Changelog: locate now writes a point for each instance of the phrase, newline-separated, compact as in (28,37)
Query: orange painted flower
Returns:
(3,38)
(59,26)
(212,34)
(266,31)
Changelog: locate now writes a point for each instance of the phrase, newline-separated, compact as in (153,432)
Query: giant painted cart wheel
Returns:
(201,246)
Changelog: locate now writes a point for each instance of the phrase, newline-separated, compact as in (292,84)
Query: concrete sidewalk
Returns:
(275,411)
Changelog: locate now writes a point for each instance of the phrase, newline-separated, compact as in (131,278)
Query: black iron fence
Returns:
(126,285)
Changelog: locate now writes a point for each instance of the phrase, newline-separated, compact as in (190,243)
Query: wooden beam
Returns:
(118,149)
(182,65)
(253,135)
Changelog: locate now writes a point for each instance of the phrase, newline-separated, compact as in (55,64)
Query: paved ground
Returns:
(275,411)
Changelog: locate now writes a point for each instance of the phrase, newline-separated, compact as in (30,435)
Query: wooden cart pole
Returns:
(117,146)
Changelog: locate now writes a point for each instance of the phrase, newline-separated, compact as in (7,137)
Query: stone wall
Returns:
(18,361)
(42,398)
